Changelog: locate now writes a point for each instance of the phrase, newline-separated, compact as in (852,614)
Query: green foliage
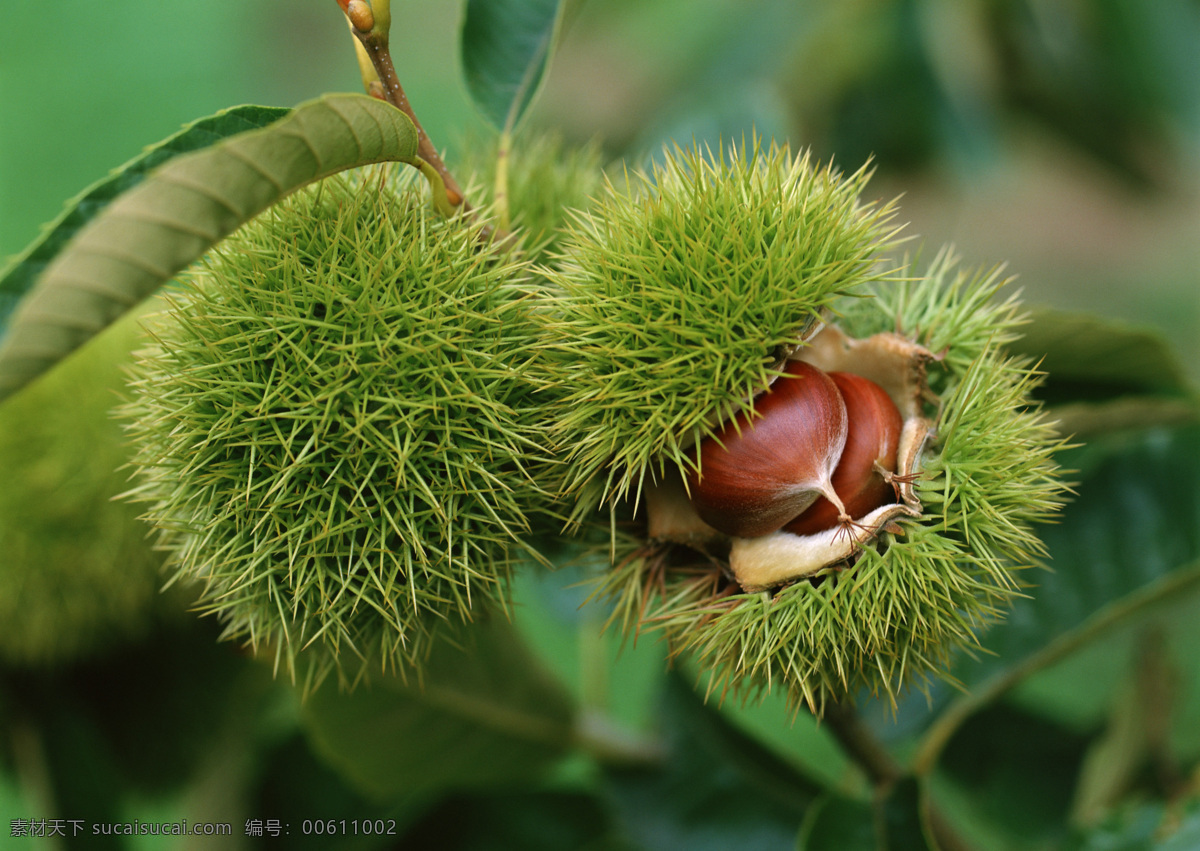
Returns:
(918,87)
(751,800)
(519,819)
(296,785)
(336,431)
(22,273)
(709,788)
(1148,827)
(602,671)
(991,758)
(1089,358)
(483,714)
(151,710)
(346,424)
(77,574)
(188,205)
(677,291)
(839,823)
(506,47)
(895,822)
(1105,375)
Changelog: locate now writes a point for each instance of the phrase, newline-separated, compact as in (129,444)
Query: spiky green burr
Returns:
(677,291)
(919,593)
(78,574)
(337,428)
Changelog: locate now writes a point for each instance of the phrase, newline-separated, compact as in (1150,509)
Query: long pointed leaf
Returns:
(1094,359)
(21,274)
(148,235)
(506,47)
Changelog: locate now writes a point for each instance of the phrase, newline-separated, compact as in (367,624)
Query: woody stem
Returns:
(376,45)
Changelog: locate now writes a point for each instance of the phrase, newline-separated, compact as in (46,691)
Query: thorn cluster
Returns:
(336,428)
(678,290)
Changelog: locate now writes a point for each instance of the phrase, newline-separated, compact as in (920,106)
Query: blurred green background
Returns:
(1059,136)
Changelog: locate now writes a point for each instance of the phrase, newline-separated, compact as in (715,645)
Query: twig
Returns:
(377,49)
(372,35)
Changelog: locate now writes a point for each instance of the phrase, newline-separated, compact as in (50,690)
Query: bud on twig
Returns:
(360,15)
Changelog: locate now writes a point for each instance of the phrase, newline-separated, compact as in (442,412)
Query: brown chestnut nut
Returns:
(760,471)
(862,477)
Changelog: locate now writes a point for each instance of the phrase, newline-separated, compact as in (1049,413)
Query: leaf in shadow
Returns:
(839,824)
(891,823)
(1019,772)
(551,820)
(484,714)
(1148,827)
(1090,358)
(294,786)
(717,788)
(1103,375)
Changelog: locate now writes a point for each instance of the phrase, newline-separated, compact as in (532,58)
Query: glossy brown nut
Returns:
(874,425)
(758,472)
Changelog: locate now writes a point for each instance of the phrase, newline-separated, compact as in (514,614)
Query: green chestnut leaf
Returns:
(22,273)
(1148,827)
(506,47)
(1104,375)
(1091,358)
(714,789)
(179,212)
(77,574)
(895,822)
